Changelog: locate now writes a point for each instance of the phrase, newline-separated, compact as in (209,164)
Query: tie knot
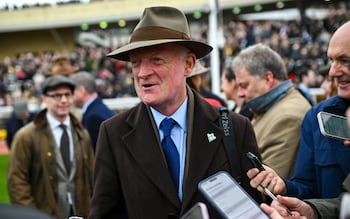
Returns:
(166,125)
(63,126)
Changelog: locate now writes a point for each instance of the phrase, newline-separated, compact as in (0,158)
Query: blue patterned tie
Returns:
(171,153)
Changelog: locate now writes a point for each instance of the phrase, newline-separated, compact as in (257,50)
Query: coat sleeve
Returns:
(18,178)
(326,208)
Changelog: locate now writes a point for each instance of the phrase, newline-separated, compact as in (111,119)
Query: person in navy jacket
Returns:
(322,163)
(86,97)
(20,116)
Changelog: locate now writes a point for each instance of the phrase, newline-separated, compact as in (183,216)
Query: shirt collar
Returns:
(179,116)
(54,123)
(87,104)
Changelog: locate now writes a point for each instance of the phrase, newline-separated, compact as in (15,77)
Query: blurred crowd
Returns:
(302,43)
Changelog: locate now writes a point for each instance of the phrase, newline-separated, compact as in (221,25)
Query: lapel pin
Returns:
(211,137)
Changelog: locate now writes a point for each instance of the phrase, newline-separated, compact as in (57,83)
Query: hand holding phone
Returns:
(257,164)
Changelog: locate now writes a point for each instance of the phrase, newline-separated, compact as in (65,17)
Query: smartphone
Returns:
(198,211)
(229,198)
(333,126)
(255,161)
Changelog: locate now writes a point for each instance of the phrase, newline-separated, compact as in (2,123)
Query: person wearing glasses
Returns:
(51,160)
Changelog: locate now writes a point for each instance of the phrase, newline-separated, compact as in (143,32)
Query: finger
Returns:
(267,179)
(270,211)
(347,143)
(272,184)
(258,179)
(252,172)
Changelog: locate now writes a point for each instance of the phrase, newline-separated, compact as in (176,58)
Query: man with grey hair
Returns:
(93,109)
(277,106)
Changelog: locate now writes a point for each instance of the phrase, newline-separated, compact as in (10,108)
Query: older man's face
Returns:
(339,54)
(250,86)
(160,75)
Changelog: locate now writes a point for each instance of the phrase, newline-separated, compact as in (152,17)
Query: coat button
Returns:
(49,154)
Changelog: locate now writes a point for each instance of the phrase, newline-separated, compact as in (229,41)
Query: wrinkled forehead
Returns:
(245,76)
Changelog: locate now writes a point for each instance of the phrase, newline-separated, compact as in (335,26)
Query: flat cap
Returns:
(56,81)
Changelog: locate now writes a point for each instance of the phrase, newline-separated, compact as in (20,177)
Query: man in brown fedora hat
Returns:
(150,158)
(61,65)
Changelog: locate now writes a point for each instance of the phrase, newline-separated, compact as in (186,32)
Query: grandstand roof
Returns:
(64,15)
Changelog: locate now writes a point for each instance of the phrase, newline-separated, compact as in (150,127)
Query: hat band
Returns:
(156,33)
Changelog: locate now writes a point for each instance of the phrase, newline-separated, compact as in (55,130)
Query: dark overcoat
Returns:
(131,175)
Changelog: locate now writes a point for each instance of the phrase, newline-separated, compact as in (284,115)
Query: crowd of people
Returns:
(301,43)
(130,170)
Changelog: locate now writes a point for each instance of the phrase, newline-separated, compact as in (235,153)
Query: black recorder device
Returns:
(255,161)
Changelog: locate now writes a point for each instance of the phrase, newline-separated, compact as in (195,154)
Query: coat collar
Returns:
(144,145)
(40,120)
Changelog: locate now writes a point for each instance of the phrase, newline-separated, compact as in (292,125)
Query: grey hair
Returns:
(259,59)
(84,79)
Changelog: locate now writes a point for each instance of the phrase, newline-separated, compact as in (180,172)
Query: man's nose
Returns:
(335,70)
(144,70)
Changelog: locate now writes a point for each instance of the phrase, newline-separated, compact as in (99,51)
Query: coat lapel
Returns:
(144,145)
(204,139)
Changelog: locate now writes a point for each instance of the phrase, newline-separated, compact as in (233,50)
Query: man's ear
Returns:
(270,79)
(190,63)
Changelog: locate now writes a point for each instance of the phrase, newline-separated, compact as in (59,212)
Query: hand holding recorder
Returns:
(257,164)
(266,176)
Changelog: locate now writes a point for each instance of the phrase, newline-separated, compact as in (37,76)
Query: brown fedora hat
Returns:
(60,65)
(159,25)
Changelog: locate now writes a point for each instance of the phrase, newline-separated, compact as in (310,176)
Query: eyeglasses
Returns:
(58,96)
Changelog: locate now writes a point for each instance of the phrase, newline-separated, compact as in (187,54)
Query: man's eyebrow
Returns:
(343,56)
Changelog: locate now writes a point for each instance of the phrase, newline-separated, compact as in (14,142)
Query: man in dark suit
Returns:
(86,97)
(142,170)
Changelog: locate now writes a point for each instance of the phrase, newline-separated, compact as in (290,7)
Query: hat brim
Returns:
(204,70)
(199,48)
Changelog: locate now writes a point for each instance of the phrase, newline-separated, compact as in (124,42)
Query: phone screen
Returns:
(334,126)
(231,200)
